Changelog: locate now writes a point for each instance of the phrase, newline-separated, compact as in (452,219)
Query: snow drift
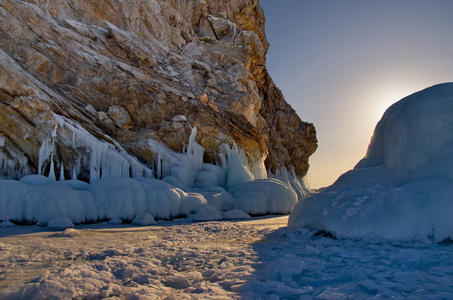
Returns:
(403,188)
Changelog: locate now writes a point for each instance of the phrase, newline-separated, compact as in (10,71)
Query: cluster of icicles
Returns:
(120,186)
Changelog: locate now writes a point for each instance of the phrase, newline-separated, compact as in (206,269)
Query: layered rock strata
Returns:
(84,81)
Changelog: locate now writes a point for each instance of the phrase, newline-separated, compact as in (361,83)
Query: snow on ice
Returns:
(403,188)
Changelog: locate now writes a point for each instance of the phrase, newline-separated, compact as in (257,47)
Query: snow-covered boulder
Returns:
(403,188)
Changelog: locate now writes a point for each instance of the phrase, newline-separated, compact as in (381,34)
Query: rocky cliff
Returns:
(85,85)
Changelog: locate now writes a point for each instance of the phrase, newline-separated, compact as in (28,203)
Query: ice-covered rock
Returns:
(5,224)
(236,214)
(143,219)
(415,135)
(206,213)
(264,196)
(218,197)
(60,223)
(115,221)
(402,189)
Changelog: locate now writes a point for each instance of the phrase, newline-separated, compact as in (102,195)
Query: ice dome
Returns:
(415,135)
(403,188)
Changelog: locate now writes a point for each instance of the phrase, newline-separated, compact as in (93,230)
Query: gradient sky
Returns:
(341,63)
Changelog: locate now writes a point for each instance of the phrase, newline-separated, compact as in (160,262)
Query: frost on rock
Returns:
(402,189)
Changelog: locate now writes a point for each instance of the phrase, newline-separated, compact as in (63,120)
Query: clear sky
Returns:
(341,63)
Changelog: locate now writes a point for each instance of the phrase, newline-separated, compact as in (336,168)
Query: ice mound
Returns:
(264,196)
(415,135)
(143,219)
(60,223)
(403,188)
(207,213)
(236,214)
(6,224)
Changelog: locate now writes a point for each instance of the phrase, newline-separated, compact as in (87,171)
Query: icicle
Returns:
(74,175)
(44,152)
(159,166)
(52,169)
(62,172)
(54,132)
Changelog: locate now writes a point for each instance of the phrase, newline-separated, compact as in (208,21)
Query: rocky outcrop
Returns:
(82,80)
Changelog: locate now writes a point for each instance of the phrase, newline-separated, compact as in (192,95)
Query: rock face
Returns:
(83,82)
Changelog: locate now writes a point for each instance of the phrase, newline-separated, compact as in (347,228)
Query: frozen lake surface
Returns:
(255,259)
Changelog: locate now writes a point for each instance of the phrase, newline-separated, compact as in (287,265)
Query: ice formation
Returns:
(236,214)
(102,159)
(298,184)
(143,219)
(121,188)
(60,223)
(13,165)
(189,169)
(207,213)
(403,188)
(264,196)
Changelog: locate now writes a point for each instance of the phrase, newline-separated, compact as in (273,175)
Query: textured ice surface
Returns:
(251,259)
(403,188)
